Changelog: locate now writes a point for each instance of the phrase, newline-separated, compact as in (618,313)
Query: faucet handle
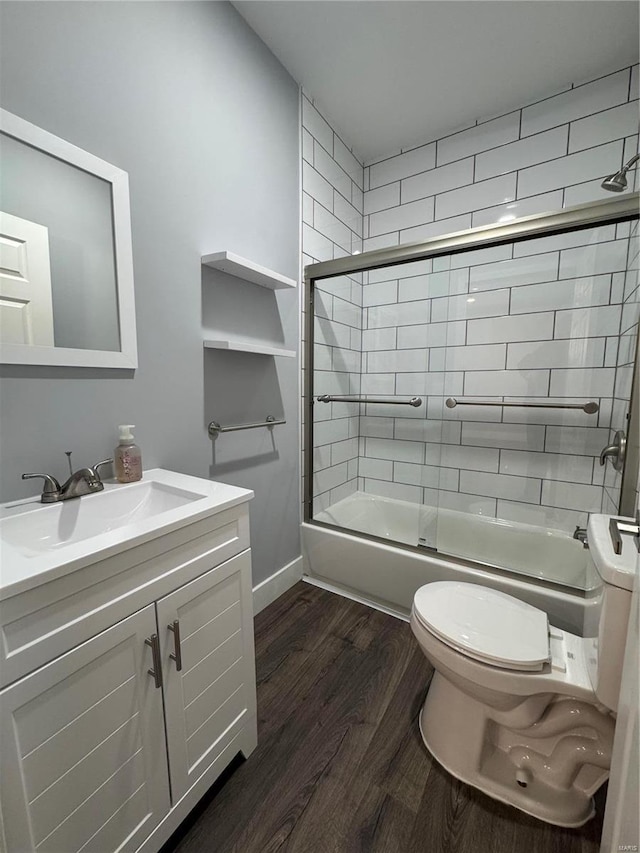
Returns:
(617,451)
(51,485)
(98,465)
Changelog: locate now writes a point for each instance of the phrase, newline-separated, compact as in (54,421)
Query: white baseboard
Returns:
(361,599)
(278,583)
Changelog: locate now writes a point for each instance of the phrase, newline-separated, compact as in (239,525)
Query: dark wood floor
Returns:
(340,765)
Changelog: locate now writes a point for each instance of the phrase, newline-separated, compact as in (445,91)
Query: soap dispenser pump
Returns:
(127,457)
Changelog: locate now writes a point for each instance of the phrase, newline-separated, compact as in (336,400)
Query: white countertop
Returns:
(41,542)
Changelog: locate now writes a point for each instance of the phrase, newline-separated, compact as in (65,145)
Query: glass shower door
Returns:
(529,400)
(370,357)
(522,355)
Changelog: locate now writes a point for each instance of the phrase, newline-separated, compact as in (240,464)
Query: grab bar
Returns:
(215,429)
(327,398)
(589,408)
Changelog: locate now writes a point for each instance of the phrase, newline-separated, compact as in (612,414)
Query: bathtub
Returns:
(538,562)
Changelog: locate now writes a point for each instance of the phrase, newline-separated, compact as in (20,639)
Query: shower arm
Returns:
(633,160)
(625,168)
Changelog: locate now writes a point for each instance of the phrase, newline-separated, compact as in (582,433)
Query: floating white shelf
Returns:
(238,345)
(247,270)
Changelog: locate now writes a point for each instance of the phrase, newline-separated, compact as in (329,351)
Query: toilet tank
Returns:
(607,625)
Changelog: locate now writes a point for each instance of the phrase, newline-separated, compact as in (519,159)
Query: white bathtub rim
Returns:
(445,561)
(574,604)
(380,505)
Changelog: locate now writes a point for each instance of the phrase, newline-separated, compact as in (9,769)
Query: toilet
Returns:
(517,708)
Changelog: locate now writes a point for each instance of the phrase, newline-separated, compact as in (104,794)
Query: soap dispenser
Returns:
(127,458)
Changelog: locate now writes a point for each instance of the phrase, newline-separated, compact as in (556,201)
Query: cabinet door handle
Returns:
(156,672)
(177,655)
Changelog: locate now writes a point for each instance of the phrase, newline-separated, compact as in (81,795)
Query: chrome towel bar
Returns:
(215,429)
(327,398)
(589,408)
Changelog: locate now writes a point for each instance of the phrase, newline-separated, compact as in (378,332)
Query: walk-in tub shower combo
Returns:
(466,404)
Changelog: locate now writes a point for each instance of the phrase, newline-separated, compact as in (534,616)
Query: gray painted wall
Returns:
(186,99)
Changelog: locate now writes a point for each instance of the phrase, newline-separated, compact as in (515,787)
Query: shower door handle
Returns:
(616,451)
(352,398)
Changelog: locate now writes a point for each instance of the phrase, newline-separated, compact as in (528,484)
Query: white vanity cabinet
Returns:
(213,692)
(110,744)
(83,759)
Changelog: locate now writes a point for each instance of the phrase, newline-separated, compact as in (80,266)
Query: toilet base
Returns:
(537,768)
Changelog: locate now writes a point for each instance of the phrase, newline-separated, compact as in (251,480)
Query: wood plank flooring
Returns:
(340,766)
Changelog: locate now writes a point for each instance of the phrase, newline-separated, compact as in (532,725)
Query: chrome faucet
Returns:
(580,534)
(84,481)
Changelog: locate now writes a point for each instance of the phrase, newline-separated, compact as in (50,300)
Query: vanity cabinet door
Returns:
(206,636)
(83,753)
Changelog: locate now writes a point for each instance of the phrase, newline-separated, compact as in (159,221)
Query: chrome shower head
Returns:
(615,183)
(618,183)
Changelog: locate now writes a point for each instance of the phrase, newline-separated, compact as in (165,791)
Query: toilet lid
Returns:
(485,624)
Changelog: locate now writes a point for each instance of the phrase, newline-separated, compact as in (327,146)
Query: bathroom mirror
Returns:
(66,269)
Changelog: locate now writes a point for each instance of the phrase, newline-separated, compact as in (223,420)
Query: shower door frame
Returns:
(574,218)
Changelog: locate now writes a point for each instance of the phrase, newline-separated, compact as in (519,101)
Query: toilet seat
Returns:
(484,624)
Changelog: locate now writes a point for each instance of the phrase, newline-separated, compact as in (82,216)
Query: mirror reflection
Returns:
(58,282)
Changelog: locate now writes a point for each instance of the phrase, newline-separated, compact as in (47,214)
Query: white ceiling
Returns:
(392,73)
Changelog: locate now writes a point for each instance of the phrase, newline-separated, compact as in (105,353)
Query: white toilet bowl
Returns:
(519,709)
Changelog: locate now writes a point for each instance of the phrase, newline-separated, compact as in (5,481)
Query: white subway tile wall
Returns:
(546,156)
(552,318)
(332,213)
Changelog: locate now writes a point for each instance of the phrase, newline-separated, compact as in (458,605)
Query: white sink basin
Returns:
(38,540)
(43,528)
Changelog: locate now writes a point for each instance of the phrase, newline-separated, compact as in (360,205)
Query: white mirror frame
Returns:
(127,356)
